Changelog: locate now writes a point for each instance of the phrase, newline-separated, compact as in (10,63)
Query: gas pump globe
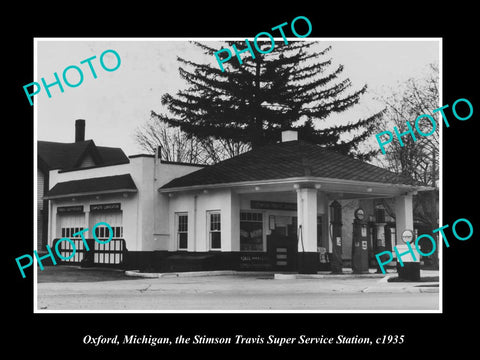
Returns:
(407,236)
(359,214)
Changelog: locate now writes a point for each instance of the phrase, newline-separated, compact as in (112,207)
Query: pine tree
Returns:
(253,102)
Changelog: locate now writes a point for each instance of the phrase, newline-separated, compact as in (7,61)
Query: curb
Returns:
(285,276)
(340,276)
(275,276)
(137,273)
(424,288)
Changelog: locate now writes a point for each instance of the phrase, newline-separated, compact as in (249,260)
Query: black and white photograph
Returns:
(272,183)
(257,188)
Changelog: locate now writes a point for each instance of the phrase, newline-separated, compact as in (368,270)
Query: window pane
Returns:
(215,221)
(216,240)
(251,236)
(183,223)
(182,240)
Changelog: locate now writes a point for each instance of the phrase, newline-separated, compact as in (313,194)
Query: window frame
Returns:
(178,231)
(67,232)
(216,231)
(254,216)
(106,234)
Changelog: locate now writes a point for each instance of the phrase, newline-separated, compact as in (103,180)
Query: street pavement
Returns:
(230,291)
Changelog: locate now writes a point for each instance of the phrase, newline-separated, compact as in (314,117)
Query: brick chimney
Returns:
(79,130)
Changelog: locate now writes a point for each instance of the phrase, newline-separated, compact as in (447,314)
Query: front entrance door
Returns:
(282,250)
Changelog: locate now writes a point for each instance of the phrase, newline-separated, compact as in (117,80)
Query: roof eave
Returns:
(299,180)
(89,193)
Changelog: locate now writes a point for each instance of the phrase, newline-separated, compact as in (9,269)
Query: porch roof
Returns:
(99,185)
(288,160)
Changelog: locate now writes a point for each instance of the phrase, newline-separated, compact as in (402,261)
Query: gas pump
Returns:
(336,236)
(360,243)
(380,231)
(390,236)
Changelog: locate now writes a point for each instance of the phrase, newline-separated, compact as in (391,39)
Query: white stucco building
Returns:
(269,208)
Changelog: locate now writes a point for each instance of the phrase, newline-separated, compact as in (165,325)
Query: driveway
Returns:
(107,290)
(66,273)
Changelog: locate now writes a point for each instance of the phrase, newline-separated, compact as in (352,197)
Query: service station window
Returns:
(69,231)
(70,224)
(102,232)
(182,231)
(251,231)
(214,230)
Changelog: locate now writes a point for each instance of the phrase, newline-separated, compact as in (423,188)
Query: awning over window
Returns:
(100,185)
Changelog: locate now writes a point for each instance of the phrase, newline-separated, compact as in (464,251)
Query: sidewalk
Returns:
(347,274)
(360,281)
(80,289)
(407,287)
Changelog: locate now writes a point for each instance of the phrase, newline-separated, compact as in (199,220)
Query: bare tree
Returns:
(417,159)
(177,146)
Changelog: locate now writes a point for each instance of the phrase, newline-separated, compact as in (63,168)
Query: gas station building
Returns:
(278,207)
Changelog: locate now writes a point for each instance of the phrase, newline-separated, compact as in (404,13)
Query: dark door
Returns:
(282,250)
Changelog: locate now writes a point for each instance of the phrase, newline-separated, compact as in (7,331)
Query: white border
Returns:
(35,118)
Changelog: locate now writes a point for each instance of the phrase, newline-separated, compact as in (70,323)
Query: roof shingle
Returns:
(288,160)
(93,185)
(67,156)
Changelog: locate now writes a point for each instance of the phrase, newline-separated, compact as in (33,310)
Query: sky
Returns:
(116,103)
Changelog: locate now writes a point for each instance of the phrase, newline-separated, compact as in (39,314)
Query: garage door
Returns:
(111,252)
(69,225)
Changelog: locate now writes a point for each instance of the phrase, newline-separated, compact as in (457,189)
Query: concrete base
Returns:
(307,262)
(410,271)
(285,276)
(356,271)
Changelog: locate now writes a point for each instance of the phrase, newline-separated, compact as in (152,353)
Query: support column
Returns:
(404,221)
(307,230)
(403,213)
(88,256)
(234,221)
